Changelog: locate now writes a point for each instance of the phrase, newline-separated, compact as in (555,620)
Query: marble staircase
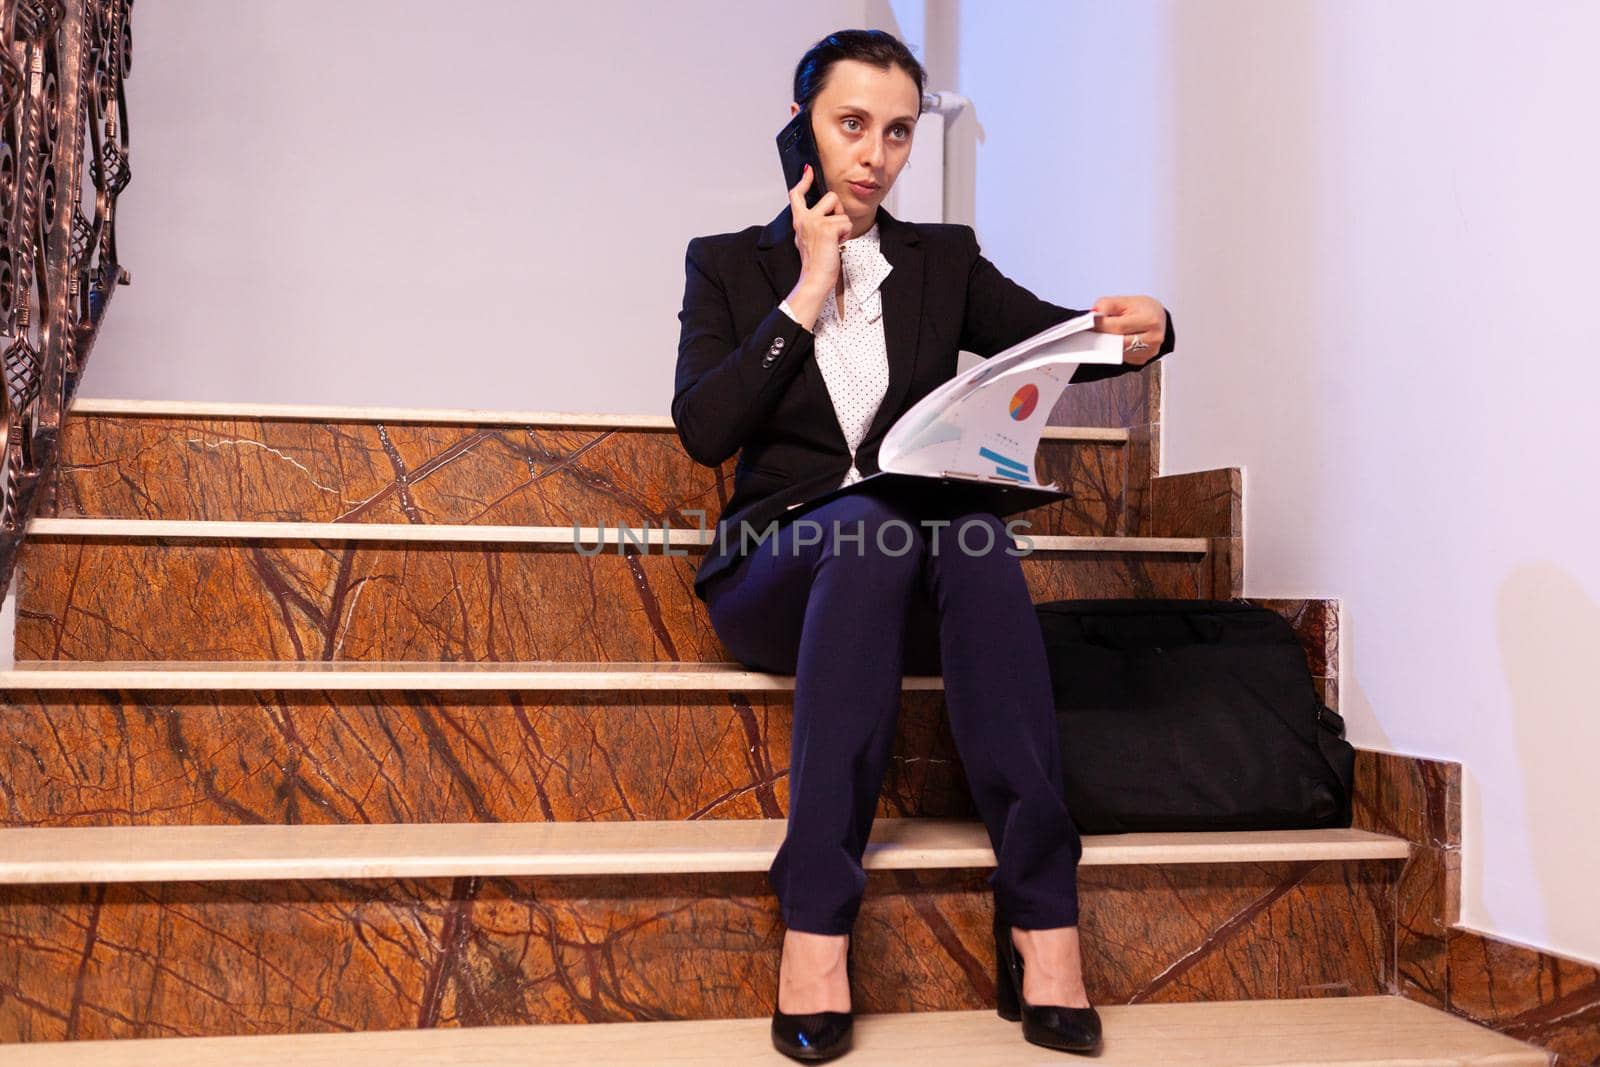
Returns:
(326,738)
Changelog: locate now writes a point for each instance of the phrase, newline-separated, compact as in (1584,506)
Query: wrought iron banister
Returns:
(62,66)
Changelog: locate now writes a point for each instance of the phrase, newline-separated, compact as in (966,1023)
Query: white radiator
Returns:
(918,194)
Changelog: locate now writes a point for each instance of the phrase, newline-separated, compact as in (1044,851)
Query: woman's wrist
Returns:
(806,303)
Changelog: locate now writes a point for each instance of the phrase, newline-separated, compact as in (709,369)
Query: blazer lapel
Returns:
(902,303)
(902,321)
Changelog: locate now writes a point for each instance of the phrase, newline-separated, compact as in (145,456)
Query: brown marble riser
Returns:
(122,961)
(1316,624)
(1126,400)
(187,599)
(1206,503)
(151,758)
(199,468)
(1549,1000)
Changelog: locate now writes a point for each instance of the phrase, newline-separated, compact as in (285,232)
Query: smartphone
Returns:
(797,146)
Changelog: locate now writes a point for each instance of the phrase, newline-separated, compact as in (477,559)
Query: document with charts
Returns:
(986,423)
(971,443)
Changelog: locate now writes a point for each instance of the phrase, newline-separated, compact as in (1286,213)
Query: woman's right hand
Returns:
(818,233)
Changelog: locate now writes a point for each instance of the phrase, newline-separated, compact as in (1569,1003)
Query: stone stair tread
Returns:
(467,533)
(470,416)
(120,854)
(1370,1030)
(401,674)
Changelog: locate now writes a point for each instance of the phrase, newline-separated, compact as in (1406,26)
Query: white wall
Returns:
(385,202)
(1374,222)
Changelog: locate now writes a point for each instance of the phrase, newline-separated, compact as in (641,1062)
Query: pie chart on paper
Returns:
(1023,401)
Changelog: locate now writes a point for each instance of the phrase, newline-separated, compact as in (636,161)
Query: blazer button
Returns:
(777,342)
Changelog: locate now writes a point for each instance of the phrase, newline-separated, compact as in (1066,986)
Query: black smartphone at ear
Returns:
(797,146)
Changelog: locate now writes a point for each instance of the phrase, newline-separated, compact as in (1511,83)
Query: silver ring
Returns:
(1138,344)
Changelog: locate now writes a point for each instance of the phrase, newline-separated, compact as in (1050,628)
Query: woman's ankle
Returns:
(813,970)
(1052,965)
(818,950)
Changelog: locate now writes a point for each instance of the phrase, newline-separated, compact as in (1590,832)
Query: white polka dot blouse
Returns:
(850,347)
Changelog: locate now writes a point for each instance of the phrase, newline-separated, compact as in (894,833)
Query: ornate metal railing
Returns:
(62,65)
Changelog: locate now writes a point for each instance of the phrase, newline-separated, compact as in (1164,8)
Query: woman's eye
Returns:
(853,124)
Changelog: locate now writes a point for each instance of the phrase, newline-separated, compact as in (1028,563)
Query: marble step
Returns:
(319,676)
(258,742)
(119,854)
(100,589)
(178,460)
(192,411)
(604,538)
(361,676)
(1369,1031)
(276,944)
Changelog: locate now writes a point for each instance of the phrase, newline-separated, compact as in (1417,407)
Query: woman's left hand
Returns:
(1140,319)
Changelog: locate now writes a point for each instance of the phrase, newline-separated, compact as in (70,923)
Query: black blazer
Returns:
(747,382)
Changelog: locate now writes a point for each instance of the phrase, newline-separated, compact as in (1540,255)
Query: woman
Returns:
(802,341)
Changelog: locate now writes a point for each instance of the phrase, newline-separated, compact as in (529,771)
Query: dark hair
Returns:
(880,49)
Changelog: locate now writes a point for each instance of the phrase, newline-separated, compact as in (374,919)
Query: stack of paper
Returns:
(986,423)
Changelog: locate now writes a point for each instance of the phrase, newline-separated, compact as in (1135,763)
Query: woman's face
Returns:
(863,118)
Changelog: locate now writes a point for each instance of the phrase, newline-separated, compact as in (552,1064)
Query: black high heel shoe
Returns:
(1050,1025)
(819,1035)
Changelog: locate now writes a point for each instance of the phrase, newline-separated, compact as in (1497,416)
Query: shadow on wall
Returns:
(1548,627)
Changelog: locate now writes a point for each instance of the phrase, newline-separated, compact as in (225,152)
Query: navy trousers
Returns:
(848,609)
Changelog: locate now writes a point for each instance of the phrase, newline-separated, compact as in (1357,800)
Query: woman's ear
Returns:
(794,109)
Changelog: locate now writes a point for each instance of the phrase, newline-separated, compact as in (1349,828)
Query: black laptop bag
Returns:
(1191,715)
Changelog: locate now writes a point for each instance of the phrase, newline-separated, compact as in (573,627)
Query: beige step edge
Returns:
(93,854)
(348,675)
(606,539)
(467,416)
(1319,1032)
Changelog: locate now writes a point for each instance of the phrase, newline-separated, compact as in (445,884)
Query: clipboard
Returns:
(948,493)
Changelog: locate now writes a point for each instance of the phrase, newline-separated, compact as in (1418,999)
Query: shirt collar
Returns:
(865,268)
